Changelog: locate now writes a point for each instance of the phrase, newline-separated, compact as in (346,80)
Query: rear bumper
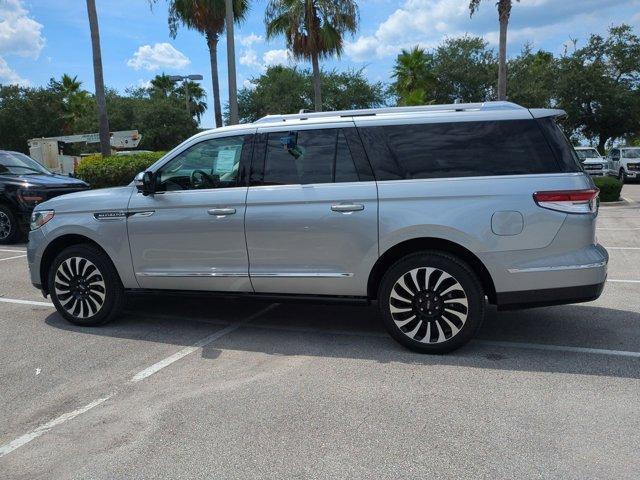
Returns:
(548,297)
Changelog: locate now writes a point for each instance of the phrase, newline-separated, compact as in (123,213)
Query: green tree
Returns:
(27,113)
(343,90)
(598,86)
(532,78)
(162,86)
(504,13)
(314,29)
(464,69)
(207,17)
(76,102)
(414,77)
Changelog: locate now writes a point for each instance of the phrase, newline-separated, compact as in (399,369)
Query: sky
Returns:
(41,39)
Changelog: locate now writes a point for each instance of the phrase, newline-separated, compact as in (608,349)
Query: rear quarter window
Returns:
(458,149)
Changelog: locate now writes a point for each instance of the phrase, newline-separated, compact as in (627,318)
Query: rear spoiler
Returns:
(547,112)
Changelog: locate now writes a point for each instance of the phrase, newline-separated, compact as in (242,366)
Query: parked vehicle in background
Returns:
(592,162)
(428,210)
(625,162)
(24,183)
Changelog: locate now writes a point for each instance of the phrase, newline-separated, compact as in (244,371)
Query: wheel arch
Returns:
(56,246)
(407,247)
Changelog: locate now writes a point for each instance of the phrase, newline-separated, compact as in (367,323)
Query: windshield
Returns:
(588,153)
(631,153)
(14,163)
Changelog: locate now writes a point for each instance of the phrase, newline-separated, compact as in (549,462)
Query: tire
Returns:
(431,279)
(9,230)
(85,286)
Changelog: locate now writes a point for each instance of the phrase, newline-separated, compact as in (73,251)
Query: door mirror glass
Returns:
(148,183)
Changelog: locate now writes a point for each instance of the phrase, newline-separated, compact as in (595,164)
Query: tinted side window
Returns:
(563,149)
(459,149)
(308,156)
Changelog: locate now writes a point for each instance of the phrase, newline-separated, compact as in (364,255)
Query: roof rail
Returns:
(453,107)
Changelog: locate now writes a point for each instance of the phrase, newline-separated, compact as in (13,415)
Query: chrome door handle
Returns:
(221,211)
(350,207)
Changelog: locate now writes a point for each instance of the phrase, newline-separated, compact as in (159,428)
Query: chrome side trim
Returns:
(560,267)
(191,274)
(304,275)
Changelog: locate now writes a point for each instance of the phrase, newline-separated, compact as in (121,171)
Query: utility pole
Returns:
(231,64)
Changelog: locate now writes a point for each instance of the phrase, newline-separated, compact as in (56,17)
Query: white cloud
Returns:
(276,57)
(427,22)
(19,34)
(248,85)
(249,58)
(10,77)
(158,56)
(248,40)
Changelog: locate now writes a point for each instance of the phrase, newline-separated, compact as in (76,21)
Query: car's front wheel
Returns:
(85,286)
(9,231)
(431,302)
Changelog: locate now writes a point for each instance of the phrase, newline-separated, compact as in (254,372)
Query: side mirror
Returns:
(145,182)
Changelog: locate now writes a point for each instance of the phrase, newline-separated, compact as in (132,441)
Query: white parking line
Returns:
(622,248)
(615,280)
(618,229)
(42,429)
(11,258)
(147,372)
(26,302)
(17,251)
(560,348)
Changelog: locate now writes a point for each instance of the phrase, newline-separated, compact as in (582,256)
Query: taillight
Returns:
(569,201)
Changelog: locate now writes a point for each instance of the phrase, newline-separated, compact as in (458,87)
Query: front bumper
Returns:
(35,249)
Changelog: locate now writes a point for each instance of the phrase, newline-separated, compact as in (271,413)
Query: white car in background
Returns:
(625,162)
(592,162)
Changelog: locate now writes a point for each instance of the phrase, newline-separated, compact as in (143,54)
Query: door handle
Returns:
(347,207)
(221,211)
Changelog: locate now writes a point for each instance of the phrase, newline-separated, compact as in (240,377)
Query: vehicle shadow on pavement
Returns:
(344,331)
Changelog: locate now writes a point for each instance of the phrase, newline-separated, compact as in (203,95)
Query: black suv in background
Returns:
(24,183)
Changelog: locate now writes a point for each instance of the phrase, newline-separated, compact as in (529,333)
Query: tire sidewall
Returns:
(454,267)
(14,231)
(113,285)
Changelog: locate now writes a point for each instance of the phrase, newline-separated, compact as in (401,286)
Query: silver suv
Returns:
(429,211)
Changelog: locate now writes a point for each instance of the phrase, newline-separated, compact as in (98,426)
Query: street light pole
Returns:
(231,65)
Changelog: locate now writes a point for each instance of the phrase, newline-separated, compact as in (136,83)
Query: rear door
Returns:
(311,220)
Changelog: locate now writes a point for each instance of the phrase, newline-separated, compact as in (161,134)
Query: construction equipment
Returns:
(49,151)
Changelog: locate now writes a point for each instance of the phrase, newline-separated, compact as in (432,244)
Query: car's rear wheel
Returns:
(431,302)
(85,286)
(9,231)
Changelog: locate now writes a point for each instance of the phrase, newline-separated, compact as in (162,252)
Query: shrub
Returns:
(609,188)
(114,171)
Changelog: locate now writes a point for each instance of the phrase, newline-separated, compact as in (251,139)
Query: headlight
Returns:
(30,196)
(40,217)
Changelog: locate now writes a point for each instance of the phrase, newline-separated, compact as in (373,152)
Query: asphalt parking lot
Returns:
(200,388)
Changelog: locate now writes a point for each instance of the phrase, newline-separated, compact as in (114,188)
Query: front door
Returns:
(312,212)
(189,235)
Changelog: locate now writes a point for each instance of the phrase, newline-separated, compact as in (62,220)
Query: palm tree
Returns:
(504,12)
(162,85)
(197,96)
(413,77)
(103,120)
(314,29)
(75,101)
(208,18)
